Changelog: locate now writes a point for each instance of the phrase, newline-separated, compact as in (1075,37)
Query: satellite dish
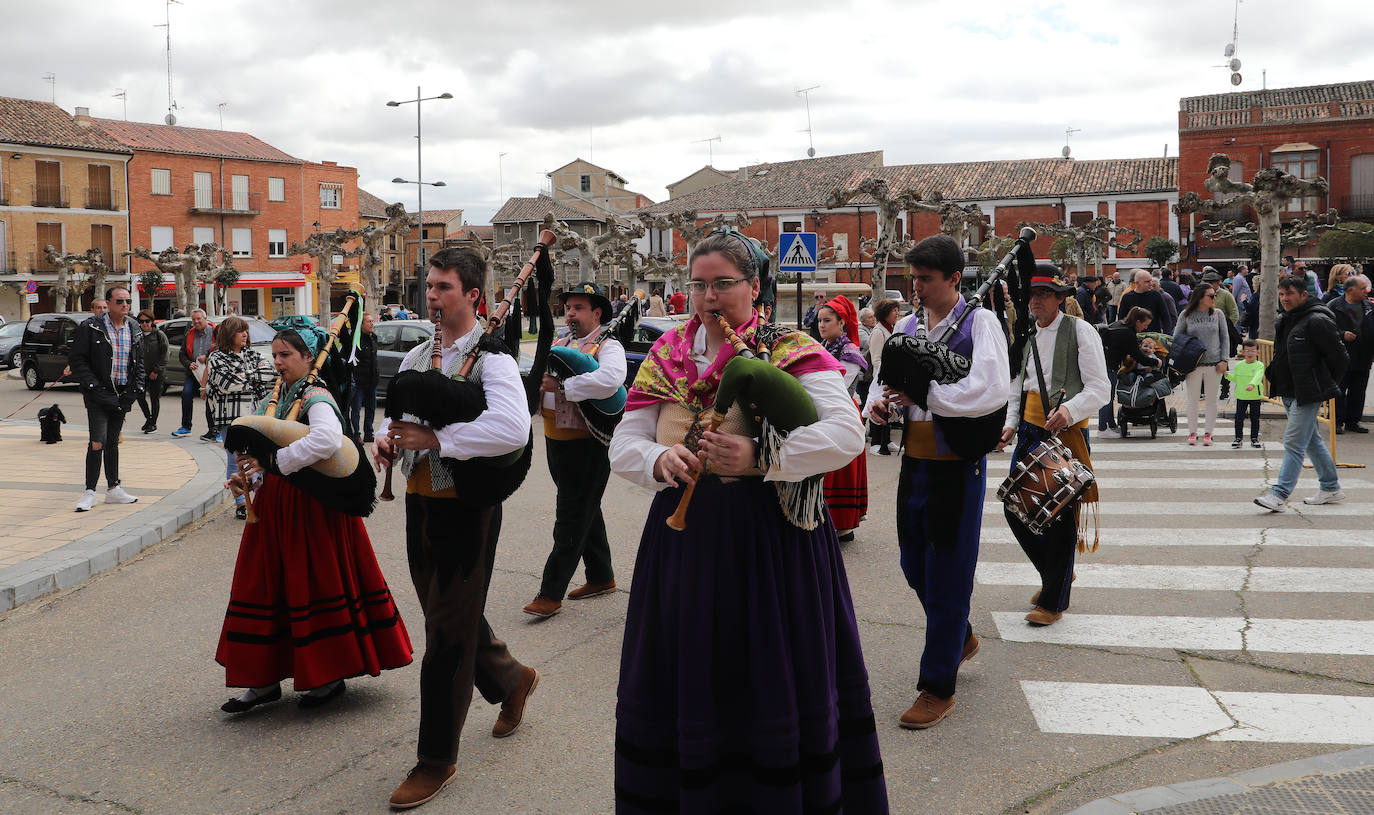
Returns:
(1235,79)
(1230,49)
(1234,64)
(810,152)
(1065,151)
(169,119)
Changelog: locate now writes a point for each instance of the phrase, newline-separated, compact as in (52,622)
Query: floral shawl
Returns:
(669,374)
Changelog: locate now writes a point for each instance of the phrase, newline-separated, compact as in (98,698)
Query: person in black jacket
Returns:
(1142,294)
(1086,295)
(365,380)
(107,359)
(1119,341)
(1355,320)
(1309,361)
(155,345)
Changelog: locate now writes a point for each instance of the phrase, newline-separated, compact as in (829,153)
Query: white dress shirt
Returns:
(503,427)
(323,440)
(987,385)
(598,384)
(830,443)
(1092,368)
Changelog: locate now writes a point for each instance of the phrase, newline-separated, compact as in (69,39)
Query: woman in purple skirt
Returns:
(742,682)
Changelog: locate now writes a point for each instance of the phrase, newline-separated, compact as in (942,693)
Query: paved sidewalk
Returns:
(1333,784)
(45,545)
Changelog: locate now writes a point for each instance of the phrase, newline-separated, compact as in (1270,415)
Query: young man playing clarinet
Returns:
(939,494)
(578,463)
(451,543)
(1072,372)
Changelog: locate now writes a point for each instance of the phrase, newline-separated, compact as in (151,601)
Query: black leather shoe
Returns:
(1340,430)
(309,702)
(1354,428)
(241,512)
(236,706)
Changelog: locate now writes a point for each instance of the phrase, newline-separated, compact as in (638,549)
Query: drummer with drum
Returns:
(578,462)
(1061,383)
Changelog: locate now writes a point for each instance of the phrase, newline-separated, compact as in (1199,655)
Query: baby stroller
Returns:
(1141,392)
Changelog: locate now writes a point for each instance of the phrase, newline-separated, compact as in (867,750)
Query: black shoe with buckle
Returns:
(241,512)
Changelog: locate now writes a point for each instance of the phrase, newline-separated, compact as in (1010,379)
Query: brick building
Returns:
(791,197)
(62,182)
(593,190)
(372,212)
(1320,130)
(521,219)
(192,185)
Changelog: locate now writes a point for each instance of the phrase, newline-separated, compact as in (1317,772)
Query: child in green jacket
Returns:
(1248,378)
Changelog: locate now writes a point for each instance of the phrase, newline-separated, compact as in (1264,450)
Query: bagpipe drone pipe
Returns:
(911,363)
(345,481)
(441,400)
(601,415)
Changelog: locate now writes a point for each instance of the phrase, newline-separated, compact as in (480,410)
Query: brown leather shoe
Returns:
(543,607)
(592,590)
(970,648)
(422,784)
(513,709)
(1042,616)
(927,712)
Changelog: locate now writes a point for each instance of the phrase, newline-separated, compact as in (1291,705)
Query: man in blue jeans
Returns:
(1309,361)
(194,350)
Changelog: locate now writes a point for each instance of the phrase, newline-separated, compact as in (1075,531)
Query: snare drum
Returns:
(1048,482)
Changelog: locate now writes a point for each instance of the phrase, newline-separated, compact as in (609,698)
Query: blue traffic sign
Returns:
(797,252)
(31,287)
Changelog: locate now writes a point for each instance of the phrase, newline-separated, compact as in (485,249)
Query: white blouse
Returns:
(1092,368)
(323,440)
(598,384)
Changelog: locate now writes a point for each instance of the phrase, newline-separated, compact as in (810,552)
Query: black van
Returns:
(47,338)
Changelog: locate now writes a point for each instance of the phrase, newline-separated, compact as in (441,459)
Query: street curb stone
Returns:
(1149,799)
(78,561)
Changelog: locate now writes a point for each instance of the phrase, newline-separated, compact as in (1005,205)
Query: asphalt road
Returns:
(110,694)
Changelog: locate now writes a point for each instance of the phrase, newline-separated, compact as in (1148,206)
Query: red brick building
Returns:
(1320,130)
(790,197)
(191,185)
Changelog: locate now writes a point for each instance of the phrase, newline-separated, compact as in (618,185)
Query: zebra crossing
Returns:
(1216,575)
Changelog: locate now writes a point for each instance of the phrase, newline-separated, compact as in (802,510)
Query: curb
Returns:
(1154,798)
(79,560)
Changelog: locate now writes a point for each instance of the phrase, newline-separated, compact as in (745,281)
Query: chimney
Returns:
(743,174)
(83,117)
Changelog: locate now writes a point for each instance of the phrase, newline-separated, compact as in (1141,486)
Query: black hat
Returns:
(592,292)
(1047,277)
(1089,278)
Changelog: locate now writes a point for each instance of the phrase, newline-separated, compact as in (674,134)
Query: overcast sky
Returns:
(631,86)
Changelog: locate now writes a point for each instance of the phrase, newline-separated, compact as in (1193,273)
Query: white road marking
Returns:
(1162,711)
(1211,464)
(1116,536)
(1353,637)
(1256,484)
(1189,578)
(1232,507)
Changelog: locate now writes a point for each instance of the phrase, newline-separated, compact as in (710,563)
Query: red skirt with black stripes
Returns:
(846,493)
(308,599)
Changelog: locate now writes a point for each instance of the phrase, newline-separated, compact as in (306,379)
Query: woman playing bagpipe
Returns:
(742,683)
(846,489)
(308,599)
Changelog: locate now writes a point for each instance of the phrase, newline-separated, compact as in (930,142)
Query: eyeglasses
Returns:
(124,301)
(721,286)
(145,321)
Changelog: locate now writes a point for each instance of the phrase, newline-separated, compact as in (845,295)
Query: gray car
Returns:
(11,335)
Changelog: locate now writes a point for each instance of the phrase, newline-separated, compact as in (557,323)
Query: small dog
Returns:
(50,420)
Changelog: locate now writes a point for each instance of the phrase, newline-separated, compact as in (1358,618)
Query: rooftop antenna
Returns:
(710,149)
(1232,61)
(120,93)
(170,118)
(591,155)
(805,93)
(222,106)
(1069,131)
(51,79)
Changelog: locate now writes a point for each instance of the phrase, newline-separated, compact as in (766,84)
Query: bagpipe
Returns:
(344,482)
(441,400)
(774,403)
(911,363)
(601,415)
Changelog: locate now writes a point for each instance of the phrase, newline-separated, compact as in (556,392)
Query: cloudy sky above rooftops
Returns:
(633,86)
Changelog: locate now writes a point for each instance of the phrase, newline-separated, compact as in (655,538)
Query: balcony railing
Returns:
(102,198)
(7,262)
(38,262)
(1357,206)
(51,195)
(239,204)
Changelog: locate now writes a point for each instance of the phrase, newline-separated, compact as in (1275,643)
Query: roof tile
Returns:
(28,121)
(801,183)
(524,210)
(195,141)
(1279,97)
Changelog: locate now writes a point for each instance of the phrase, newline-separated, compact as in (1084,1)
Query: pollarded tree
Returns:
(1160,250)
(324,247)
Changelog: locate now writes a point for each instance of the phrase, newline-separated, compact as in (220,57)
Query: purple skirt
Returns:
(742,680)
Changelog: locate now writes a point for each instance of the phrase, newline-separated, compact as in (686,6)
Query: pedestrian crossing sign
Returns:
(797,252)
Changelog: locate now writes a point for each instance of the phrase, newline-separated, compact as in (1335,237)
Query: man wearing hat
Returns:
(1086,295)
(578,463)
(1055,397)
(1226,301)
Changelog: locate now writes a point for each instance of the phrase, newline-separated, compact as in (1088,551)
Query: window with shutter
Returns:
(203,234)
(276,189)
(162,182)
(276,243)
(102,238)
(204,190)
(243,242)
(162,238)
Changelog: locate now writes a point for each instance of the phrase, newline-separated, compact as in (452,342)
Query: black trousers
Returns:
(1249,407)
(1051,552)
(150,401)
(580,469)
(105,425)
(1350,403)
(452,550)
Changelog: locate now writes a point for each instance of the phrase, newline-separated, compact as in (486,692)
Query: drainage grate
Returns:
(1347,793)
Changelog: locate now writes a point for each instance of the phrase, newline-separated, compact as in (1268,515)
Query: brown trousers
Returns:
(452,550)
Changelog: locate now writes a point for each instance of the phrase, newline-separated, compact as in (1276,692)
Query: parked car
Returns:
(260,335)
(394,339)
(47,339)
(11,335)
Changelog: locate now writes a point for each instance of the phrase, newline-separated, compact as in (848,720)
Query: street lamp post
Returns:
(419,181)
